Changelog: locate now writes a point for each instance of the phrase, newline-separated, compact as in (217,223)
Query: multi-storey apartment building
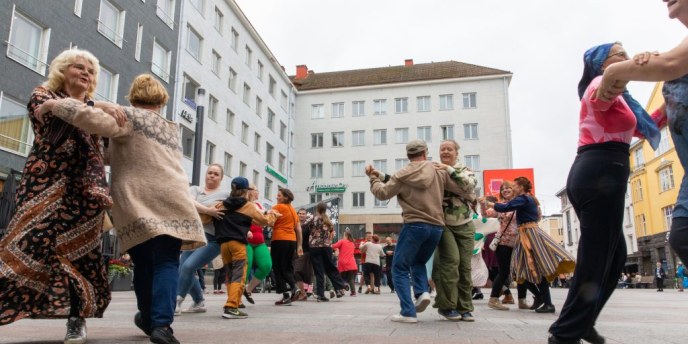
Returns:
(247,122)
(553,225)
(350,119)
(128,37)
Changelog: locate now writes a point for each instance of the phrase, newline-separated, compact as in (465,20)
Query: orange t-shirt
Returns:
(284,228)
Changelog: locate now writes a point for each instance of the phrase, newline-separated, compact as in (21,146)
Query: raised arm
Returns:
(90,119)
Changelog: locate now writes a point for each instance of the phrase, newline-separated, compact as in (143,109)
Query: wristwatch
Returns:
(90,103)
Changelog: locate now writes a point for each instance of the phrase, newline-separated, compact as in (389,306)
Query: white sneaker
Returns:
(404,319)
(422,302)
(196,308)
(178,308)
(76,331)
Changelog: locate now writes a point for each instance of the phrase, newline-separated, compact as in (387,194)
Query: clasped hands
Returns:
(610,89)
(114,110)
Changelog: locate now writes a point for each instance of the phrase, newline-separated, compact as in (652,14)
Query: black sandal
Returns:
(247,295)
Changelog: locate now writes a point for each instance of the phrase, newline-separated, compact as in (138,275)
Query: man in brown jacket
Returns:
(419,188)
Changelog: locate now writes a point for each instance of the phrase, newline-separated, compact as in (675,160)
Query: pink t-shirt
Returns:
(346,260)
(602,121)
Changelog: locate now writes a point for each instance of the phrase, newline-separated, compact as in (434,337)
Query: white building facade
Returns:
(248,97)
(347,120)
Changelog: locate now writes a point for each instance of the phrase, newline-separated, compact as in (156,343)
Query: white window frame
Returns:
(216,63)
(424,133)
(472,162)
(267,192)
(380,107)
(249,57)
(213,103)
(229,125)
(283,132)
(162,13)
(638,158)
(114,83)
(113,34)
(271,120)
(470,131)
(317,140)
(337,139)
(244,133)
(446,102)
(163,72)
(400,163)
(247,94)
(78,5)
(358,108)
(209,152)
(228,164)
(470,100)
(358,137)
(37,63)
(316,170)
(667,212)
(189,32)
(401,105)
(261,70)
(269,152)
(281,163)
(666,179)
(337,110)
(218,20)
(664,144)
(447,132)
(235,40)
(259,106)
(199,5)
(337,168)
(358,199)
(380,203)
(317,111)
(139,42)
(242,168)
(232,79)
(401,135)
(423,103)
(358,168)
(379,136)
(256,143)
(26,136)
(380,165)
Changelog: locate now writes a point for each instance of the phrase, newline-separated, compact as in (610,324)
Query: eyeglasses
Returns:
(252,189)
(621,53)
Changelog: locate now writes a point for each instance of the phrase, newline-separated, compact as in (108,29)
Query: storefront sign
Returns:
(186,115)
(275,174)
(327,188)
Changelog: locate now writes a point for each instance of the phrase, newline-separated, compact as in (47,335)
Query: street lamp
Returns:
(198,137)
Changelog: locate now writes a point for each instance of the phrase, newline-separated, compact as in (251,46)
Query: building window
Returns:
(139,41)
(28,43)
(244,133)
(469,100)
(283,101)
(358,108)
(212,108)
(232,79)
(400,163)
(229,126)
(380,136)
(358,168)
(187,142)
(446,102)
(219,20)
(190,88)
(249,57)
(198,4)
(247,93)
(111,22)
(640,225)
(272,86)
(281,163)
(358,199)
(209,153)
(380,165)
(271,120)
(160,63)
(216,63)
(317,111)
(638,190)
(379,107)
(425,134)
(235,39)
(256,143)
(267,192)
(194,42)
(338,139)
(401,105)
(337,110)
(663,141)
(78,4)
(380,203)
(667,212)
(259,106)
(447,132)
(358,138)
(316,170)
(423,103)
(283,132)
(269,150)
(666,179)
(470,131)
(338,169)
(472,162)
(261,70)
(401,135)
(228,164)
(15,126)
(256,177)
(316,197)
(317,140)
(165,11)
(242,168)
(107,85)
(638,159)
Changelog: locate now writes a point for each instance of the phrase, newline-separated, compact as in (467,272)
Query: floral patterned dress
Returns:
(53,239)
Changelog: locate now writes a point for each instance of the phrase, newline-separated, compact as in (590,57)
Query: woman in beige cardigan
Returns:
(154,220)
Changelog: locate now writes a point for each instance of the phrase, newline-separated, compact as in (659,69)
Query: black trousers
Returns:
(596,187)
(218,278)
(660,283)
(678,238)
(370,268)
(321,258)
(282,253)
(390,281)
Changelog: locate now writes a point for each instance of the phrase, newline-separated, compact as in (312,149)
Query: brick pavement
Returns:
(632,316)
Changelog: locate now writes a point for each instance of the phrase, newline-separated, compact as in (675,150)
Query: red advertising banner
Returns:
(492,179)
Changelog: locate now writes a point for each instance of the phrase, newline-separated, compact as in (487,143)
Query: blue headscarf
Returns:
(594,59)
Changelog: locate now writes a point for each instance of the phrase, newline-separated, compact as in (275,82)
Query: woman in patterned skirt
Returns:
(51,264)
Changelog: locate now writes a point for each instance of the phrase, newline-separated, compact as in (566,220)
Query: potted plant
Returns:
(120,274)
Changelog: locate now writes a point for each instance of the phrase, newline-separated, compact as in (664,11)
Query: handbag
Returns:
(495,241)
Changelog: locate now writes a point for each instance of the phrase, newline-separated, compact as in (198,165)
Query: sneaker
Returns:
(332,294)
(545,309)
(340,294)
(594,337)
(76,331)
(248,297)
(196,308)
(178,308)
(283,302)
(467,316)
(233,313)
(422,302)
(450,314)
(163,335)
(403,319)
(322,299)
(138,321)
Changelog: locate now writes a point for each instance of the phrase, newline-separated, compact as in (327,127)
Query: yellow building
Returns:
(554,226)
(654,182)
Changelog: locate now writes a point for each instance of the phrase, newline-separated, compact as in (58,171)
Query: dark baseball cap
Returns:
(240,183)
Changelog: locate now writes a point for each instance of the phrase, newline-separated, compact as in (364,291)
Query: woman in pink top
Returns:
(347,263)
(596,187)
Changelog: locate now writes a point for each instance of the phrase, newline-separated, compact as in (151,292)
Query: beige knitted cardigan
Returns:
(149,186)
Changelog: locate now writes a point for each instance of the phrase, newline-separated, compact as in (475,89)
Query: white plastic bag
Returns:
(479,272)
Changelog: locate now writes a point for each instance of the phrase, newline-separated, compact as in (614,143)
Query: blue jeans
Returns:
(156,271)
(191,261)
(416,243)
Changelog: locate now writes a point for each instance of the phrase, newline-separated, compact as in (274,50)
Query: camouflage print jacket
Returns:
(459,209)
